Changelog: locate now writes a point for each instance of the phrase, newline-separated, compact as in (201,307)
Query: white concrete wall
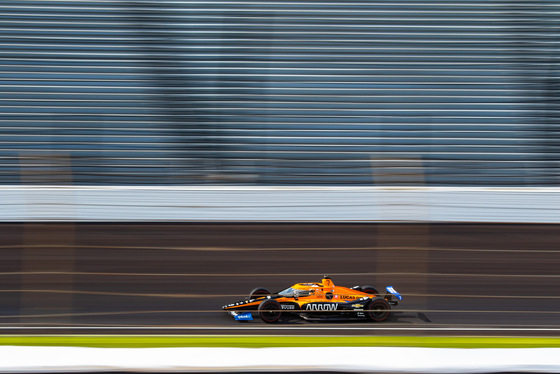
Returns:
(323,204)
(243,360)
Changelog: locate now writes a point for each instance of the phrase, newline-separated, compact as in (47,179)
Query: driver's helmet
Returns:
(327,283)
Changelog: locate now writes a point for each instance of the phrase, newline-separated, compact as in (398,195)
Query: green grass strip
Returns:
(133,341)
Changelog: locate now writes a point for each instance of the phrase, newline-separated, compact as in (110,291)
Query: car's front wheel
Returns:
(378,310)
(270,311)
(258,292)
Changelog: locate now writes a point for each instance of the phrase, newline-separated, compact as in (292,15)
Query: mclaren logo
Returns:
(321,306)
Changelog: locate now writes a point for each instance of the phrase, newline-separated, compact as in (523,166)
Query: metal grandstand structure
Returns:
(276,92)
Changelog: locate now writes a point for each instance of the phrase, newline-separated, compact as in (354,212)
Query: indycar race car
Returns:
(316,301)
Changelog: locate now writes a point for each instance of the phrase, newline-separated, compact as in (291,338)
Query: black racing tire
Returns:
(378,310)
(258,292)
(370,290)
(270,311)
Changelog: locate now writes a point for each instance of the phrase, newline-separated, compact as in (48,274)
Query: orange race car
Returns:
(316,301)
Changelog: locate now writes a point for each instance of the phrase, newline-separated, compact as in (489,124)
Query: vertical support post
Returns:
(48,252)
(403,255)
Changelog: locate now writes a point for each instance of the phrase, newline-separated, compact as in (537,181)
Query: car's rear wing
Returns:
(392,296)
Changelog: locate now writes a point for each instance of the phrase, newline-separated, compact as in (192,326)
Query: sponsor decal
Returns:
(244,317)
(321,306)
(289,307)
(357,306)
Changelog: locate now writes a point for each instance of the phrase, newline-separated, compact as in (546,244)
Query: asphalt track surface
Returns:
(467,279)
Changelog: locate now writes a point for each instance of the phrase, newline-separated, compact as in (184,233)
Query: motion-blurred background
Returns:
(280,92)
(165,94)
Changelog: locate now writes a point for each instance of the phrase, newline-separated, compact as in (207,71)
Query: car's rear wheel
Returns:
(258,292)
(270,311)
(370,290)
(378,310)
